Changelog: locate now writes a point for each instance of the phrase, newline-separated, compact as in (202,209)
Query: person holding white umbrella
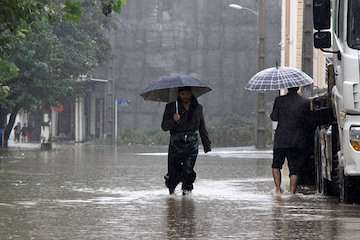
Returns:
(291,112)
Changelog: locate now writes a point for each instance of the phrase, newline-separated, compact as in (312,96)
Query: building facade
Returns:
(297,42)
(82,117)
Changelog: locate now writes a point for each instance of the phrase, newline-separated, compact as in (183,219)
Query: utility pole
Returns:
(261,116)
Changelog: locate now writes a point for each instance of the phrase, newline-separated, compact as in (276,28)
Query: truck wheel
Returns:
(344,194)
(321,183)
(325,187)
(317,158)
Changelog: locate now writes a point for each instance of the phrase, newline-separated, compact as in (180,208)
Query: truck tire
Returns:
(322,185)
(317,158)
(344,182)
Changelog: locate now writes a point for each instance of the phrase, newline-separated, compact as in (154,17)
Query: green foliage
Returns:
(4,93)
(18,17)
(146,137)
(220,135)
(39,58)
(44,47)
(53,55)
(118,5)
(72,10)
(7,69)
(236,130)
(231,131)
(109,5)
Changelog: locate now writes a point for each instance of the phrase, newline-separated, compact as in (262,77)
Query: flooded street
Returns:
(100,192)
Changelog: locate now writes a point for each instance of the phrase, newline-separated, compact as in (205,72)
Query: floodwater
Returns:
(102,192)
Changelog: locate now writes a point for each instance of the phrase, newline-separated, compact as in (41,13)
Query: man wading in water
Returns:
(291,112)
(184,118)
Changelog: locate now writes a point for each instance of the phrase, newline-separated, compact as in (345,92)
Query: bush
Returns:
(235,130)
(222,136)
(146,137)
(230,131)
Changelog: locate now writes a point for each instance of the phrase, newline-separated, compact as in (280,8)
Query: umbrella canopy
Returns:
(165,89)
(277,78)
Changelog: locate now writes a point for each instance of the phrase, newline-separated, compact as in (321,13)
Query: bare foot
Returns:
(278,191)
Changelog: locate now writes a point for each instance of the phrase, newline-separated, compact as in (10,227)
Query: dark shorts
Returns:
(294,156)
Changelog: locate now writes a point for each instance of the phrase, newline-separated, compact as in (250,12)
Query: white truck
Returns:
(337,137)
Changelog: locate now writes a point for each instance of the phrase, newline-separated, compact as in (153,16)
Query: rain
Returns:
(100,141)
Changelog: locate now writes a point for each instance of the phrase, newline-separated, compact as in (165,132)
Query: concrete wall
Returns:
(201,37)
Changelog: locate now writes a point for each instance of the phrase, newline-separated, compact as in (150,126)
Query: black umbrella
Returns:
(165,89)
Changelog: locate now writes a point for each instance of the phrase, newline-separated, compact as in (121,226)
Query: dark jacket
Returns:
(291,112)
(187,123)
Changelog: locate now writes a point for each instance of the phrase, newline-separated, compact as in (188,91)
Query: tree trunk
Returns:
(9,127)
(3,113)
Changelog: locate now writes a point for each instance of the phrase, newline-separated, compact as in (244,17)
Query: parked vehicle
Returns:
(337,111)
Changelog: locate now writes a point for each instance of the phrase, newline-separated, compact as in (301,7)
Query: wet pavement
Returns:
(102,192)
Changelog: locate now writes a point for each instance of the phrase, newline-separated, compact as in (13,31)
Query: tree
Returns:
(51,57)
(17,18)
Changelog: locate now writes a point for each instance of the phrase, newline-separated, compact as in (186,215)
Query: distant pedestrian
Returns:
(29,132)
(291,112)
(17,130)
(1,136)
(23,133)
(184,118)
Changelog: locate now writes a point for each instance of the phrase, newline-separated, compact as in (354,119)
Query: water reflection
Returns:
(86,192)
(283,225)
(293,217)
(181,218)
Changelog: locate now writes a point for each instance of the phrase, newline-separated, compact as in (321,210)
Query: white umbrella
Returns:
(276,78)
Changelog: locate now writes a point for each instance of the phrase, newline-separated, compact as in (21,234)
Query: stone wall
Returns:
(201,37)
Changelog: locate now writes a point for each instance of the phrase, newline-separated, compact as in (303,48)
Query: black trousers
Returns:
(183,151)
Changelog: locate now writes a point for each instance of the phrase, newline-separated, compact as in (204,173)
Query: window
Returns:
(341,19)
(335,10)
(353,28)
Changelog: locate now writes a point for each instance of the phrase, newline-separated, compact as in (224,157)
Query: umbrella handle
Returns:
(177,107)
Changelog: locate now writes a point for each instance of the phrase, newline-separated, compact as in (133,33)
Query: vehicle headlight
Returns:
(355,138)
